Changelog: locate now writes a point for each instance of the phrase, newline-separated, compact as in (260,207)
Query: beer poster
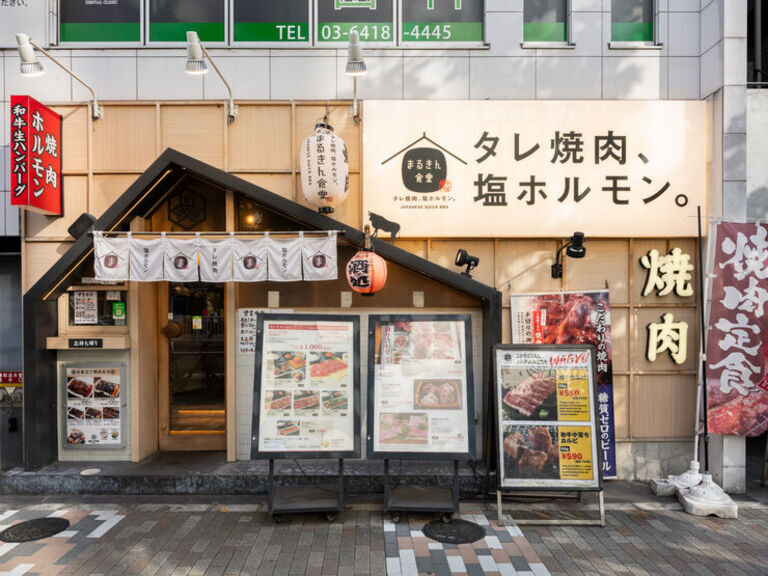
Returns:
(420,386)
(546,416)
(306,386)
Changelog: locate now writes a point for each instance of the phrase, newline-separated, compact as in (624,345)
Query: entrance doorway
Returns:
(192,367)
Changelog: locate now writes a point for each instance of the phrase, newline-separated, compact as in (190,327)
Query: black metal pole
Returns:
(703,332)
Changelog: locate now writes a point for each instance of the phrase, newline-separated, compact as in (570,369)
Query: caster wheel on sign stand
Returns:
(330,516)
(395,518)
(446,517)
(277,518)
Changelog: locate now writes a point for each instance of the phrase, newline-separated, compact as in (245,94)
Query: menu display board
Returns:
(86,307)
(307,382)
(285,23)
(432,22)
(420,387)
(546,416)
(96,21)
(93,404)
(169,20)
(374,21)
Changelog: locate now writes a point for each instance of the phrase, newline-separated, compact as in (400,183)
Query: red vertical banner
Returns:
(737,385)
(35,156)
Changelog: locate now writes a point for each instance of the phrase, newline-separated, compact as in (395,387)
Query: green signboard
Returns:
(268,21)
(86,21)
(169,20)
(372,19)
(441,21)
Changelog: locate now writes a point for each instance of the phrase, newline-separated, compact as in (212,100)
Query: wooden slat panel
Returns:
(280,184)
(125,139)
(620,339)
(39,257)
(662,406)
(418,247)
(621,406)
(107,188)
(74,138)
(75,198)
(260,139)
(524,266)
(197,131)
(443,252)
(645,316)
(605,261)
(343,126)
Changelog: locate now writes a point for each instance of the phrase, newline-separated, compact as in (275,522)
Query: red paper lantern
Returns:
(366,272)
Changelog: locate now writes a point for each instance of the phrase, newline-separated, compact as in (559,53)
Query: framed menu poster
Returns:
(546,417)
(93,406)
(420,388)
(306,387)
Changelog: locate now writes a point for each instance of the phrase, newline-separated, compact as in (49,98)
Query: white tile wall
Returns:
(735,199)
(631,78)
(587,33)
(734,156)
(384,80)
(711,70)
(735,18)
(683,5)
(711,25)
(53,86)
(248,76)
(165,79)
(735,108)
(502,78)
(577,78)
(296,77)
(5,204)
(683,78)
(11,217)
(111,77)
(586,5)
(683,35)
(506,32)
(504,5)
(437,78)
(735,60)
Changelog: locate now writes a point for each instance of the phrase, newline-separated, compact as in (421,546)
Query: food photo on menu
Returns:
(437,394)
(326,366)
(403,428)
(422,340)
(306,400)
(105,388)
(531,452)
(288,428)
(529,394)
(334,401)
(80,387)
(277,401)
(286,367)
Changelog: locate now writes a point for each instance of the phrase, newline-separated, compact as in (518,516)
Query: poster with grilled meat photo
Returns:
(547,416)
(306,374)
(93,414)
(420,386)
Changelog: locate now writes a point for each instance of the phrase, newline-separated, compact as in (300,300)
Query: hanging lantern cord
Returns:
(367,244)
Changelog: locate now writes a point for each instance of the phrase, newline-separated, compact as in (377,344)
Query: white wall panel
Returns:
(161,78)
(587,5)
(383,81)
(734,156)
(683,36)
(504,32)
(683,5)
(438,78)
(11,216)
(502,78)
(735,108)
(247,75)
(294,77)
(735,60)
(631,78)
(711,70)
(579,78)
(53,86)
(683,78)
(711,25)
(734,200)
(587,33)
(111,77)
(504,5)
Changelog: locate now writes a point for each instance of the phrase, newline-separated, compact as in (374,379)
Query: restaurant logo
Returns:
(187,209)
(111,261)
(251,262)
(425,169)
(180,262)
(319,260)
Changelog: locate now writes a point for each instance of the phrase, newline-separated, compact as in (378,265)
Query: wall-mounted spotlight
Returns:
(31,66)
(574,248)
(355,67)
(465,259)
(196,55)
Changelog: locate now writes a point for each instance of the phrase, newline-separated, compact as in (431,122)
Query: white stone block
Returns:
(248,76)
(735,19)
(383,81)
(734,202)
(436,78)
(164,78)
(735,108)
(504,33)
(734,451)
(504,5)
(111,77)
(587,34)
(711,26)
(502,78)
(303,78)
(683,35)
(577,78)
(711,70)
(735,61)
(5,204)
(631,78)
(55,86)
(683,78)
(587,5)
(734,479)
(734,156)
(683,5)
(12,216)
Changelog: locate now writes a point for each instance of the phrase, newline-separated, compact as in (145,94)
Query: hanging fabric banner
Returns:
(285,259)
(215,260)
(146,260)
(574,318)
(249,260)
(111,257)
(180,260)
(319,258)
(737,382)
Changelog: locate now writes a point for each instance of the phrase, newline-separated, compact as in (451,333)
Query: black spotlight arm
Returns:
(557,267)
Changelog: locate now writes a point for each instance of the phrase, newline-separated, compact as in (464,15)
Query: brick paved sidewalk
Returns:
(197,536)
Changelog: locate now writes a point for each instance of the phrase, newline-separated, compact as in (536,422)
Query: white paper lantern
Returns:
(324,169)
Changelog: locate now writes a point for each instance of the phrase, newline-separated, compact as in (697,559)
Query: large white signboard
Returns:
(536,169)
(306,385)
(420,386)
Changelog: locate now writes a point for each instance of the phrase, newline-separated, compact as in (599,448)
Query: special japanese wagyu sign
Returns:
(536,169)
(35,182)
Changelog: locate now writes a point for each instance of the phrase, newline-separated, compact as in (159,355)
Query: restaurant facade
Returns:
(505,150)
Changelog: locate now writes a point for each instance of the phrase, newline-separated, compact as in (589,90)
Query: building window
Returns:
(545,21)
(632,20)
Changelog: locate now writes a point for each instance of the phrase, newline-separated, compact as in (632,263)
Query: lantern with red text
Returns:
(366,272)
(324,169)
